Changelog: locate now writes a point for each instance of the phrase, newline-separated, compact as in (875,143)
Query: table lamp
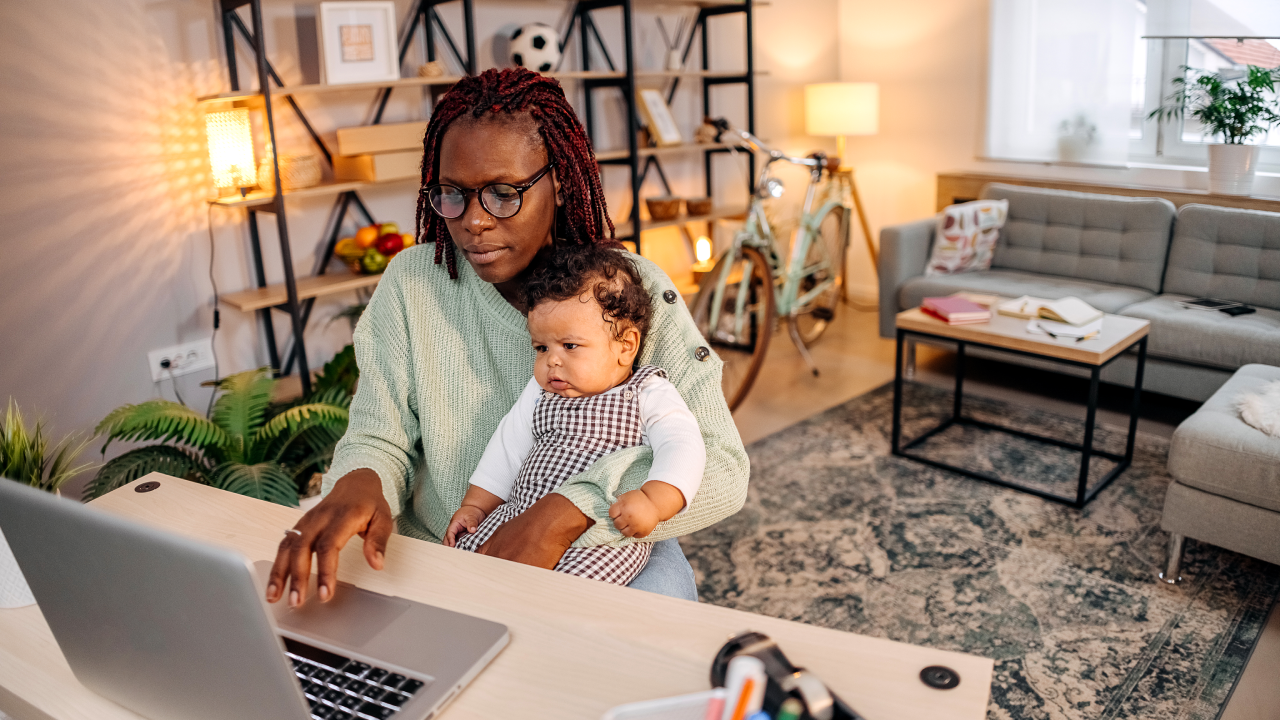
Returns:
(840,109)
(231,158)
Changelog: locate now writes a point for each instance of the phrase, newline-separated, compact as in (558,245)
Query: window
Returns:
(1074,80)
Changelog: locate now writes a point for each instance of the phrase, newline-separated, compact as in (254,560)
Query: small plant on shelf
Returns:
(247,445)
(29,456)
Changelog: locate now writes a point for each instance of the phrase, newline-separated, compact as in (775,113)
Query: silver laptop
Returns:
(175,629)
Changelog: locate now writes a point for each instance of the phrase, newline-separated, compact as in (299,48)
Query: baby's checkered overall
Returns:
(569,435)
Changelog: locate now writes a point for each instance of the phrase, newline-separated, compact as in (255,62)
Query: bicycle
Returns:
(749,287)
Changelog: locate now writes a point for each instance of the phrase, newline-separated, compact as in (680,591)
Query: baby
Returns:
(588,317)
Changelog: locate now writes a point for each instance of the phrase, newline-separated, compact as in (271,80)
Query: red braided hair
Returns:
(582,216)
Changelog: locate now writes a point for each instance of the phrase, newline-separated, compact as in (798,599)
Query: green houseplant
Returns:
(29,456)
(247,445)
(1235,109)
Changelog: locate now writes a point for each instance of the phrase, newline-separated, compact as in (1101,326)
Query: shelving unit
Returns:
(598,71)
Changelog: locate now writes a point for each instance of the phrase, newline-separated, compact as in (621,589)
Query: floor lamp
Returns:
(840,109)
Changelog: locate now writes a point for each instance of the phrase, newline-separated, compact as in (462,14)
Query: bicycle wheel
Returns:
(735,311)
(823,264)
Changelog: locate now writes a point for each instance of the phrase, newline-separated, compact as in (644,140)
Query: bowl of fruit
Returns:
(372,247)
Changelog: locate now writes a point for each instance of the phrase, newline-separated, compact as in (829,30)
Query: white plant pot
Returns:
(14,592)
(1231,168)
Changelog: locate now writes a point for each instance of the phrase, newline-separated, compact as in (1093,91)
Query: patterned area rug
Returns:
(839,533)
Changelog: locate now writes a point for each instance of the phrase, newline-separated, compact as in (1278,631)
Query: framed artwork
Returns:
(358,41)
(654,110)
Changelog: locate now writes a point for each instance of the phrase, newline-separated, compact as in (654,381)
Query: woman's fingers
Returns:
(278,580)
(377,533)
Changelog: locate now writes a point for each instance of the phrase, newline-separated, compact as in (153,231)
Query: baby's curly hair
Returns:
(568,271)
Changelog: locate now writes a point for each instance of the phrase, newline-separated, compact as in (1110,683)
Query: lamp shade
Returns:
(231,148)
(842,108)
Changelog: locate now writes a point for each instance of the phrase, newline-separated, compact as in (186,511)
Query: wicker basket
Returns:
(698,205)
(663,207)
(297,171)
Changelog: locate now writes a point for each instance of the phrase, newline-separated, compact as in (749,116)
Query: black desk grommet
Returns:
(670,297)
(147,486)
(939,677)
(702,354)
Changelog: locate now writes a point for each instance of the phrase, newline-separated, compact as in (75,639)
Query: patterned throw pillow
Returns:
(966,237)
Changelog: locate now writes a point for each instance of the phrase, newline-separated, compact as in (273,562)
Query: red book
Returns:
(955,310)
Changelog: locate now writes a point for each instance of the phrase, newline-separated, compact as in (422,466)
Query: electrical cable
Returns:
(217,318)
(174,380)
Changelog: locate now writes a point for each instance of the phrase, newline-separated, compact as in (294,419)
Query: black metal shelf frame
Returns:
(424,12)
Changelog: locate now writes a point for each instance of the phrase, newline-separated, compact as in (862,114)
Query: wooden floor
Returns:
(852,358)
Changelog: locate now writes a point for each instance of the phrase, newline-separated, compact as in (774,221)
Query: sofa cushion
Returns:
(1215,451)
(1011,283)
(1099,238)
(1209,337)
(1227,254)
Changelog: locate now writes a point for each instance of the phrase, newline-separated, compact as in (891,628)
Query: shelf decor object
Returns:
(358,41)
(840,109)
(662,127)
(230,150)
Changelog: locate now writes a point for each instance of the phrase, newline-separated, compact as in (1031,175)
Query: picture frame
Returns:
(358,41)
(662,126)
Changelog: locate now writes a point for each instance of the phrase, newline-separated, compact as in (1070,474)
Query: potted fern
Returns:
(246,445)
(1237,110)
(29,456)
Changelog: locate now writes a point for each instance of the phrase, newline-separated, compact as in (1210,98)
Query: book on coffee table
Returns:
(955,310)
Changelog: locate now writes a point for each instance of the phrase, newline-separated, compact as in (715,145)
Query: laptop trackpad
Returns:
(352,618)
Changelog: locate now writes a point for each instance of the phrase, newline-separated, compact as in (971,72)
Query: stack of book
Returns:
(955,310)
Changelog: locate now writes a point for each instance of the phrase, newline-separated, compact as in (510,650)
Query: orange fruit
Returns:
(367,236)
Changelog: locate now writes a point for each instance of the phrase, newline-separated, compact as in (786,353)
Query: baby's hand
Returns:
(634,514)
(466,520)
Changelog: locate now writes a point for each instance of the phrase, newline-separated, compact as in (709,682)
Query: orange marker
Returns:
(744,699)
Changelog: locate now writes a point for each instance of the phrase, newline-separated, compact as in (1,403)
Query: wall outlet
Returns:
(180,359)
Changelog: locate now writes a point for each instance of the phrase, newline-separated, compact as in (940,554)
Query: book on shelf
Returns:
(1070,310)
(955,310)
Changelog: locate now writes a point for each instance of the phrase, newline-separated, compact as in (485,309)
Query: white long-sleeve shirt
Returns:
(679,455)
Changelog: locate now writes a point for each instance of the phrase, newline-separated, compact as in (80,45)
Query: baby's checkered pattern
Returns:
(569,435)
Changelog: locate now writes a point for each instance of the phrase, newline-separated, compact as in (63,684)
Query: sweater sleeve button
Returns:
(670,297)
(702,353)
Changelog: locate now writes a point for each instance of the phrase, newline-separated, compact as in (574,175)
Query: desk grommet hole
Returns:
(147,486)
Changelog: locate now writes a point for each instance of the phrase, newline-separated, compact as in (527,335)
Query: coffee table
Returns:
(1009,334)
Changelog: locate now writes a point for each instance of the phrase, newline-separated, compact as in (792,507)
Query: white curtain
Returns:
(1061,74)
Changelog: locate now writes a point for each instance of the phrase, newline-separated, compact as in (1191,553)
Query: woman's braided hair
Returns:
(582,217)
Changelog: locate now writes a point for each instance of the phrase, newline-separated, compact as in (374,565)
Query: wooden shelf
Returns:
(670,150)
(319,88)
(259,197)
(724,213)
(308,287)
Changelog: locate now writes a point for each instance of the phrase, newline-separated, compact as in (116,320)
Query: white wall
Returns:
(104,239)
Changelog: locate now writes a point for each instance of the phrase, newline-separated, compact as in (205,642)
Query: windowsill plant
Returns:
(1237,110)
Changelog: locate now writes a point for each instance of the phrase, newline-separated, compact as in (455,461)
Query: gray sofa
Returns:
(1128,256)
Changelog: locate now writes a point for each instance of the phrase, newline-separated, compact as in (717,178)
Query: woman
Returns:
(507,171)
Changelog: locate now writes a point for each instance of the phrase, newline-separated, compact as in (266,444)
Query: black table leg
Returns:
(1136,403)
(1087,446)
(897,396)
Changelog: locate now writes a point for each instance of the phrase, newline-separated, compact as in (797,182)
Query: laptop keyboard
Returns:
(339,688)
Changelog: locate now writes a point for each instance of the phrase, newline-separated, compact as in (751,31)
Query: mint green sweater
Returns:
(441,361)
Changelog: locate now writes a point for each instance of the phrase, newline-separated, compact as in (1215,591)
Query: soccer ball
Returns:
(535,46)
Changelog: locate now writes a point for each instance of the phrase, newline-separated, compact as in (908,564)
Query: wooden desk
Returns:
(578,647)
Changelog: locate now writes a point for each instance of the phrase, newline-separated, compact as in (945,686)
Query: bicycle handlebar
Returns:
(755,144)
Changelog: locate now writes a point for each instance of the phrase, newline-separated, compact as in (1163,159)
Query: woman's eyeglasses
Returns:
(501,200)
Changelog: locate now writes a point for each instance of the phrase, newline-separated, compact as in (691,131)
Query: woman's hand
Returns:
(540,535)
(356,506)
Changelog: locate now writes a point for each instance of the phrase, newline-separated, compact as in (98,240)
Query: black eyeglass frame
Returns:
(520,188)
